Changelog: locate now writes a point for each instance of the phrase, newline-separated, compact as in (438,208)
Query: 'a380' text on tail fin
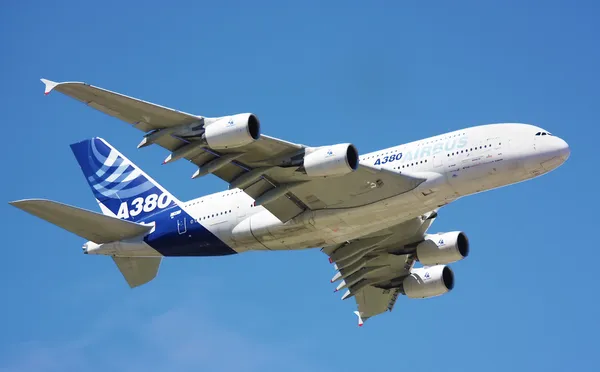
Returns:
(120,187)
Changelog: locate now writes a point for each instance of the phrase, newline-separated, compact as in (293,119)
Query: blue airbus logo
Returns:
(424,151)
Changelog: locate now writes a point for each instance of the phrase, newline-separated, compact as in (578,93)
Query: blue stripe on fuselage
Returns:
(177,234)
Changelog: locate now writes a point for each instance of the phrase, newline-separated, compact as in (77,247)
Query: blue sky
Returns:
(375,74)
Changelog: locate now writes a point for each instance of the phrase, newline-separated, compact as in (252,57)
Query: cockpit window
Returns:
(543,134)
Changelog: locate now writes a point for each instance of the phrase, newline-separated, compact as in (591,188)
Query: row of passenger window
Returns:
(472,149)
(224,195)
(411,164)
(213,215)
(450,154)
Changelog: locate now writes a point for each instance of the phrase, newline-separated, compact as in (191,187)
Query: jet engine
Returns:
(443,248)
(425,282)
(335,160)
(232,131)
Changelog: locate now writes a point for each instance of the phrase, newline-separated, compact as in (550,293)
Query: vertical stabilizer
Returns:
(120,187)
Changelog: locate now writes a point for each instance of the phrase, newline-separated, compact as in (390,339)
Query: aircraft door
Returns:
(181,225)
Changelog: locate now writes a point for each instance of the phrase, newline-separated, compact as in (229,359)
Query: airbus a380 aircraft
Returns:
(370,213)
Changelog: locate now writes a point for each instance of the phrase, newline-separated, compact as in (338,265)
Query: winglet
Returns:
(360,320)
(49,85)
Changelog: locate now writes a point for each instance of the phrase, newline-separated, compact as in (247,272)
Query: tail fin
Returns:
(120,187)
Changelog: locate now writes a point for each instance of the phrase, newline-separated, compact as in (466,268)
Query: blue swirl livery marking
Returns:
(118,184)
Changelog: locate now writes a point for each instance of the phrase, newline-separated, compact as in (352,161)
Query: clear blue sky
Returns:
(373,73)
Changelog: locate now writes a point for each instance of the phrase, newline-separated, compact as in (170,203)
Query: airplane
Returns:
(370,213)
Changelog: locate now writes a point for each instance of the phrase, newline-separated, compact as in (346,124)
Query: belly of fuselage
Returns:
(333,226)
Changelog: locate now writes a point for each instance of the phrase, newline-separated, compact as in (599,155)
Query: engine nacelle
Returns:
(335,160)
(443,248)
(232,131)
(426,282)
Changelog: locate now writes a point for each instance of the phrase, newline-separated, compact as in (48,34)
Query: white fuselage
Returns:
(469,161)
(456,164)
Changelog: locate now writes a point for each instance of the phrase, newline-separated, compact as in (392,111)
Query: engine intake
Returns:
(327,161)
(426,282)
(232,131)
(443,248)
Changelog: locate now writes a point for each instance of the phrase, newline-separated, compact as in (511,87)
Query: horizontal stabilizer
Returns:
(92,226)
(138,270)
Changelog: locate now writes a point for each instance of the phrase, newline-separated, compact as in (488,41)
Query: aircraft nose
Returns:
(563,149)
(555,152)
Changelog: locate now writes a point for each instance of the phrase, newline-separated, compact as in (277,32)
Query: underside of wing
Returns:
(371,268)
(286,192)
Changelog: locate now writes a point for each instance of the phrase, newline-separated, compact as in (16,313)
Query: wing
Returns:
(374,261)
(266,169)
(143,115)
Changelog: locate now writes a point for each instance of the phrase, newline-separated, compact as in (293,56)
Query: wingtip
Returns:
(24,203)
(16,203)
(49,85)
